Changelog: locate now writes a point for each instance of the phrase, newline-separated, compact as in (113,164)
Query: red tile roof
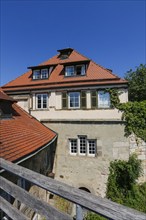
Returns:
(4,96)
(22,135)
(95,75)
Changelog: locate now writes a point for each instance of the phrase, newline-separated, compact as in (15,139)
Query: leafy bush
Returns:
(93,216)
(122,186)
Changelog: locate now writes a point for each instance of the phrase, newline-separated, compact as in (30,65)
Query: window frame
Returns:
(42,101)
(66,73)
(40,74)
(47,73)
(98,98)
(35,73)
(78,146)
(92,154)
(83,70)
(70,146)
(79,101)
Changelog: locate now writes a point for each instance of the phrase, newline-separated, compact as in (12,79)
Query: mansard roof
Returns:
(95,74)
(22,135)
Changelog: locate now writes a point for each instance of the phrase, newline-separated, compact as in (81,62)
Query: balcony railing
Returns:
(103,207)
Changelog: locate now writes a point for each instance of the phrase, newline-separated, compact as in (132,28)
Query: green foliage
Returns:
(137,83)
(134,115)
(122,187)
(93,216)
(114,97)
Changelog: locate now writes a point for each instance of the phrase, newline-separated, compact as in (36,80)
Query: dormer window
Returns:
(40,74)
(36,74)
(69,71)
(44,73)
(78,70)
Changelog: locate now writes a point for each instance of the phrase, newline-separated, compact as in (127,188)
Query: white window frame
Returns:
(82,70)
(70,145)
(79,97)
(45,73)
(95,142)
(67,73)
(79,145)
(40,73)
(35,73)
(41,94)
(100,105)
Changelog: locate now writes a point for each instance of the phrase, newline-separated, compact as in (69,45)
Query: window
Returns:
(40,74)
(36,74)
(44,73)
(103,99)
(74,100)
(41,101)
(91,147)
(69,71)
(73,146)
(82,146)
(78,70)
(100,99)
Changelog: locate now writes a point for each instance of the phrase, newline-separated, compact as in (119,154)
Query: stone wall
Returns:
(83,171)
(138,147)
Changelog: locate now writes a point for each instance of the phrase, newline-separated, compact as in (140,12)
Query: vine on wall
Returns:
(134,114)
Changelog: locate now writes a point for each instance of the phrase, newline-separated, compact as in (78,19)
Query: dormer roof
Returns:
(95,74)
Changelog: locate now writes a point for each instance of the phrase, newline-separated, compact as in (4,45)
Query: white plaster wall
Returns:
(23,104)
(108,114)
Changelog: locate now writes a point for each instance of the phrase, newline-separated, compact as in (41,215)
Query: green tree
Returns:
(137,83)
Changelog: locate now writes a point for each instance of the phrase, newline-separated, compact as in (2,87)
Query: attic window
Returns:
(78,70)
(40,74)
(64,53)
(63,56)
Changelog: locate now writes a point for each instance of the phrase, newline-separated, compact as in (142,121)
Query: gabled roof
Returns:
(95,74)
(22,135)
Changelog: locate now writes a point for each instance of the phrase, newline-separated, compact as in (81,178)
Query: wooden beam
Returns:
(11,211)
(36,204)
(102,206)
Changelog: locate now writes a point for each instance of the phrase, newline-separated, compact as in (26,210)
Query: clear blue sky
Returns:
(112,33)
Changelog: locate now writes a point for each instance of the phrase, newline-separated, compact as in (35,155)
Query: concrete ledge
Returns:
(82,121)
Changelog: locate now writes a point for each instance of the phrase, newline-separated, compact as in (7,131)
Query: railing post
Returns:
(79,212)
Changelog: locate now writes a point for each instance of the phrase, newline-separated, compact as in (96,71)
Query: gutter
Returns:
(33,154)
